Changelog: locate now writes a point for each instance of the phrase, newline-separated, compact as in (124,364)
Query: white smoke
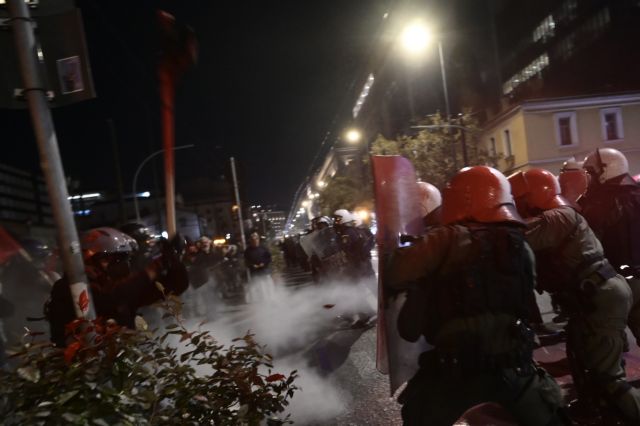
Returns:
(292,326)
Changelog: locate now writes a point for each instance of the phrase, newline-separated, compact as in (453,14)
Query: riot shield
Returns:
(397,213)
(324,244)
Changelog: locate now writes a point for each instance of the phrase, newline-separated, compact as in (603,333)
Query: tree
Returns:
(349,190)
(435,153)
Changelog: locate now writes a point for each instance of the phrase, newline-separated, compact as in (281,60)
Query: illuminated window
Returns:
(545,30)
(526,73)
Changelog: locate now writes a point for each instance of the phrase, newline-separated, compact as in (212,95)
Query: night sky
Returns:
(273,78)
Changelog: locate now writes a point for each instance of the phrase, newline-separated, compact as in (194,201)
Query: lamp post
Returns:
(135,176)
(416,37)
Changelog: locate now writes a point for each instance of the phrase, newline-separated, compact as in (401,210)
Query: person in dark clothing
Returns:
(258,260)
(117,291)
(356,243)
(611,206)
(257,257)
(597,300)
(468,284)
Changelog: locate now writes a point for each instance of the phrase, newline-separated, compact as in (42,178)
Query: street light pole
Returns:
(445,90)
(135,176)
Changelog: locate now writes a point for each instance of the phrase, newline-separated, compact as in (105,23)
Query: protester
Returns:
(258,259)
(117,291)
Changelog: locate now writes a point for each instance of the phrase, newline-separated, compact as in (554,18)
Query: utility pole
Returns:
(50,161)
(122,214)
(243,241)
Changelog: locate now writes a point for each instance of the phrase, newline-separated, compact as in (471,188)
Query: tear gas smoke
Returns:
(299,328)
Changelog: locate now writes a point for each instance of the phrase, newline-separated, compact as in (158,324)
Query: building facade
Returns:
(560,48)
(24,204)
(545,133)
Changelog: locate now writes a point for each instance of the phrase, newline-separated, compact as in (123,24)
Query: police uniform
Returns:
(470,282)
(468,296)
(613,212)
(599,303)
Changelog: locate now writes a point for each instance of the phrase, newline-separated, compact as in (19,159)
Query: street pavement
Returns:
(337,375)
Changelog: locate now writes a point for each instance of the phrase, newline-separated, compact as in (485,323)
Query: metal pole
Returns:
(50,160)
(446,100)
(463,141)
(118,170)
(167,99)
(237,194)
(135,176)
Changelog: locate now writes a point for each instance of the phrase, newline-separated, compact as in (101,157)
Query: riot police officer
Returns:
(117,291)
(611,206)
(356,244)
(596,299)
(430,202)
(468,285)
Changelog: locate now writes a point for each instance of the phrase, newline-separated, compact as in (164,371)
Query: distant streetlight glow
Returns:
(416,37)
(321,184)
(353,136)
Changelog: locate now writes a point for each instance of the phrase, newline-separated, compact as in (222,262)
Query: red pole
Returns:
(179,52)
(167,95)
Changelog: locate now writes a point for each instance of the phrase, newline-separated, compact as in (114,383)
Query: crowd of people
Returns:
(489,243)
(470,282)
(123,267)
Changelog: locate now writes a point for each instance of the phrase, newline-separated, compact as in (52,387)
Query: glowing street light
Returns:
(416,37)
(353,136)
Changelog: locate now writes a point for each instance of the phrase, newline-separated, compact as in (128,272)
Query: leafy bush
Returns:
(110,375)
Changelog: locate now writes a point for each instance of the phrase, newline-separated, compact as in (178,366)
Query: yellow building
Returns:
(544,133)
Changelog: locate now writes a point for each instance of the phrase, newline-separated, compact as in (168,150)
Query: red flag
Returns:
(8,246)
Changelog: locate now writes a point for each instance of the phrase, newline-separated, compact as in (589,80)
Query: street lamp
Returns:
(353,136)
(135,176)
(415,39)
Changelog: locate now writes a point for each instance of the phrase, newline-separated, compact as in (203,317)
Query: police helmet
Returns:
(480,194)
(105,241)
(430,198)
(606,163)
(537,189)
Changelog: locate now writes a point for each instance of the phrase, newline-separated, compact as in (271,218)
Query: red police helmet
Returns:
(573,184)
(536,188)
(480,194)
